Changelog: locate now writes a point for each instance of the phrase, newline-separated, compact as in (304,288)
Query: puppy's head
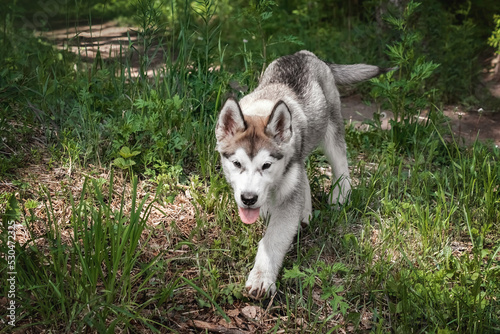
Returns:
(252,151)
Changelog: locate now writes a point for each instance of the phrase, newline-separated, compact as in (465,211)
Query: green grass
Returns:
(87,273)
(416,249)
(127,224)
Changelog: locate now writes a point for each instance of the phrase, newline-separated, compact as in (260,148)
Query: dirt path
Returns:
(108,40)
(465,125)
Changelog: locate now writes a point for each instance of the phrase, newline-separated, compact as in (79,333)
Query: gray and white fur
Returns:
(265,139)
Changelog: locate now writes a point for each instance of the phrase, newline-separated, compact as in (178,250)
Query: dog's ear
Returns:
(279,125)
(230,120)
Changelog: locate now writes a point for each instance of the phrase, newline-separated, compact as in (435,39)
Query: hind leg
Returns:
(307,212)
(335,150)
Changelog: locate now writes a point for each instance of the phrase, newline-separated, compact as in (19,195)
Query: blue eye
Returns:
(265,166)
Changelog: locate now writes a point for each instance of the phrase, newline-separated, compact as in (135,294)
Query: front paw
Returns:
(260,284)
(340,196)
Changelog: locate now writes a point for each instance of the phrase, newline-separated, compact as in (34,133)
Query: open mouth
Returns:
(249,215)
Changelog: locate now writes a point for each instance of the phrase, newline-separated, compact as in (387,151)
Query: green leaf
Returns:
(12,213)
(125,152)
(177,102)
(122,163)
(294,273)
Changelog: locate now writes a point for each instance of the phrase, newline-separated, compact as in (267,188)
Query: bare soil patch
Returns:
(466,125)
(107,41)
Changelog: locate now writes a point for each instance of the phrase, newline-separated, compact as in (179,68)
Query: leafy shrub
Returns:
(404,90)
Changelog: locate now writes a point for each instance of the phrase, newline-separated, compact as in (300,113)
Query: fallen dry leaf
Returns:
(216,328)
(252,312)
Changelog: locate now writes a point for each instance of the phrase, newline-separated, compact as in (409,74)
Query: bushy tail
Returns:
(350,74)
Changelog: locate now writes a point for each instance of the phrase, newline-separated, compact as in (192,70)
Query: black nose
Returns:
(249,198)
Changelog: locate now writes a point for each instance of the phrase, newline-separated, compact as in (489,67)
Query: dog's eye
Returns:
(236,164)
(266,165)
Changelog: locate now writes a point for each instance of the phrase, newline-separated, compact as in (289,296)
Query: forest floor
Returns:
(110,39)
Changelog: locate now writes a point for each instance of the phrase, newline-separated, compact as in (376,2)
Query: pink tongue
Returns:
(249,216)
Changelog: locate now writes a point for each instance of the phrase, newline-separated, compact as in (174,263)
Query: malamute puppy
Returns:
(264,140)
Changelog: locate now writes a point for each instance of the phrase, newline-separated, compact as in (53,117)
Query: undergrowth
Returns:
(416,249)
